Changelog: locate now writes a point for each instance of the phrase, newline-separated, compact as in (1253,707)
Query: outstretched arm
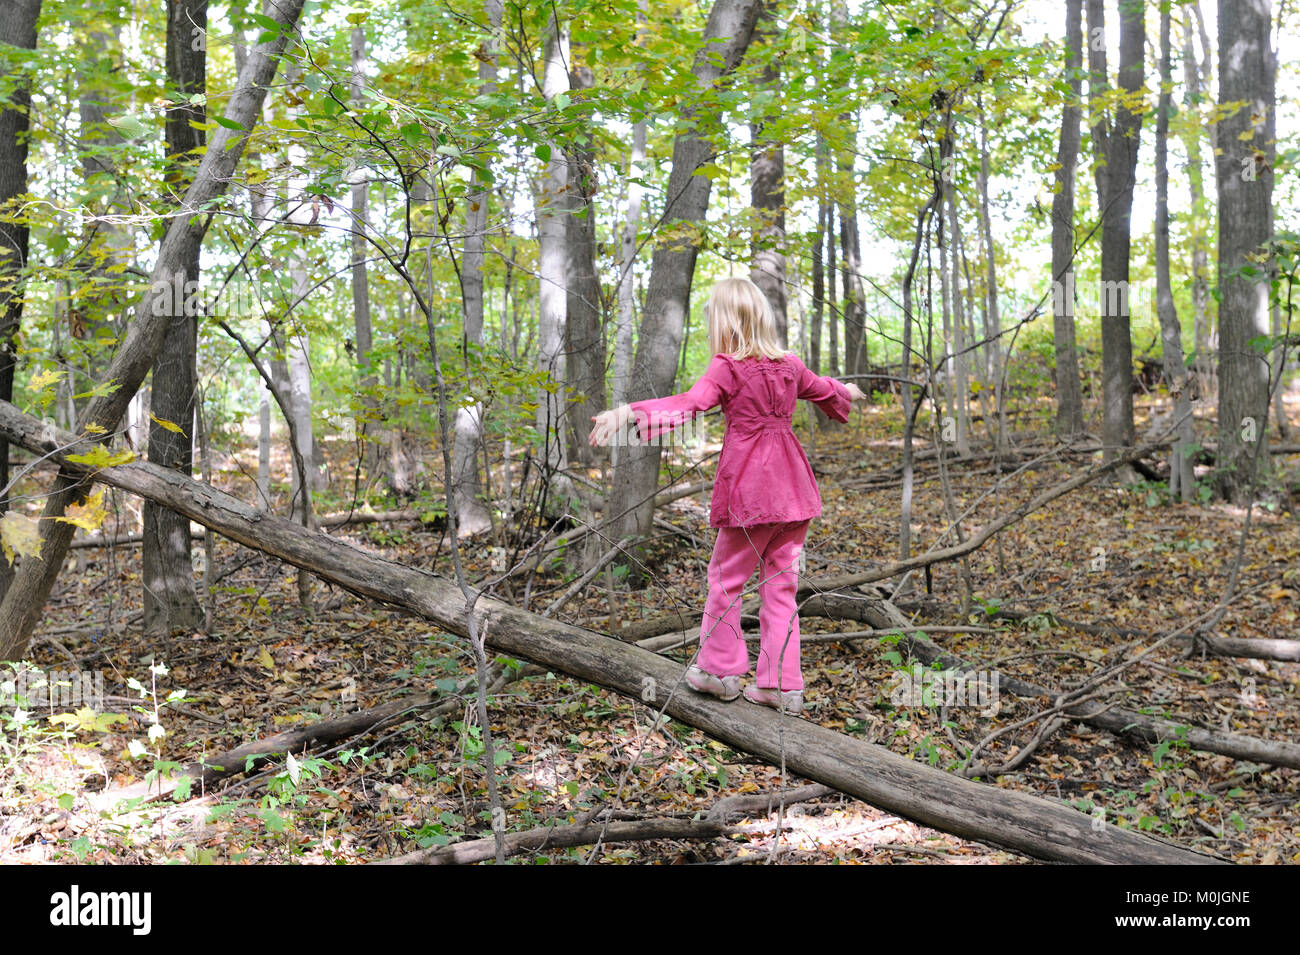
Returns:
(655,416)
(830,395)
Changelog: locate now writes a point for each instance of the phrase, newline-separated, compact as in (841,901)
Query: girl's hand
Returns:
(607,423)
(855,393)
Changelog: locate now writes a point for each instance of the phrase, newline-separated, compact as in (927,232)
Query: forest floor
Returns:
(1123,560)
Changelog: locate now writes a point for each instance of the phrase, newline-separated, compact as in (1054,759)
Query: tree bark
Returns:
(25,600)
(961,356)
(552,280)
(170,601)
(672,269)
(1037,826)
(992,316)
(1173,364)
(471,514)
(1115,145)
(584,326)
(818,275)
(1069,392)
(767,190)
(1195,77)
(1247,72)
(17,29)
(368,425)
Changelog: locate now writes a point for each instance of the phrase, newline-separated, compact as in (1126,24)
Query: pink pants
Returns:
(774,550)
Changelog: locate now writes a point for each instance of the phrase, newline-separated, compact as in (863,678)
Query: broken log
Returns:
(1120,722)
(564,837)
(1034,825)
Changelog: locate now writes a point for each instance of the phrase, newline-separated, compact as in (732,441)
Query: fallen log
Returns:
(1255,648)
(1035,825)
(1120,722)
(564,837)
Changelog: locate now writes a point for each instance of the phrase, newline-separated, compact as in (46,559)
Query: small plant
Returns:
(137,748)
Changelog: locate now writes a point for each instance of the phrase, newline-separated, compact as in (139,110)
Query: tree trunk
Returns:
(170,601)
(960,347)
(1116,147)
(368,424)
(22,605)
(767,191)
(1174,368)
(472,516)
(585,326)
(1247,72)
(818,274)
(627,265)
(1038,826)
(672,268)
(850,243)
(1069,393)
(17,29)
(992,316)
(552,293)
(1195,77)
(105,248)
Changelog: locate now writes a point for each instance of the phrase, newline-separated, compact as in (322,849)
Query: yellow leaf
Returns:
(100,457)
(169,425)
(92,428)
(19,534)
(88,516)
(43,380)
(265,658)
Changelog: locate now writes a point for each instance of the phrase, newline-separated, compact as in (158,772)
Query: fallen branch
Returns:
(1255,648)
(564,837)
(750,804)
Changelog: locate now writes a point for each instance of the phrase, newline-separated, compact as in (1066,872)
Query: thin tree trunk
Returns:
(584,327)
(850,245)
(170,601)
(552,295)
(767,191)
(368,423)
(627,264)
(1175,371)
(1069,393)
(472,516)
(992,317)
(962,356)
(1196,77)
(909,418)
(818,276)
(1116,145)
(264,449)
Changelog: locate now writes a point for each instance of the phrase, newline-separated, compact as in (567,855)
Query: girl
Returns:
(764,493)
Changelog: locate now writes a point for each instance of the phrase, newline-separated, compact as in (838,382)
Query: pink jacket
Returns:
(763,476)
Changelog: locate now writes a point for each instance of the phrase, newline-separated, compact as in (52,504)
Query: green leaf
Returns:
(228,123)
(128,126)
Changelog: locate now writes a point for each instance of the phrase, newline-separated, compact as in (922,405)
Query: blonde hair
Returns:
(741,322)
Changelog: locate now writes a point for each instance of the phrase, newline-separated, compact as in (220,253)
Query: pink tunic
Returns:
(763,476)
